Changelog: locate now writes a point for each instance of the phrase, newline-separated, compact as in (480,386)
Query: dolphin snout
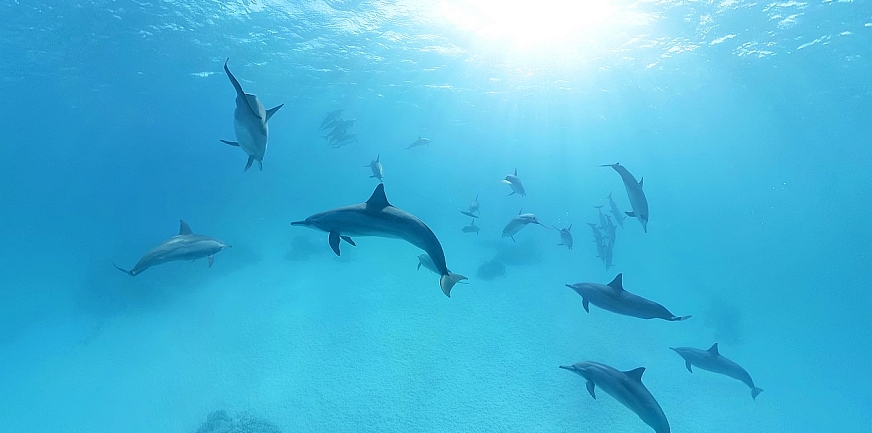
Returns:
(300,223)
(567,367)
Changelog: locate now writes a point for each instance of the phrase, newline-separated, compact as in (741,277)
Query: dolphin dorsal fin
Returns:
(569,228)
(636,374)
(516,172)
(377,157)
(378,200)
(184,228)
(641,180)
(714,349)
(618,283)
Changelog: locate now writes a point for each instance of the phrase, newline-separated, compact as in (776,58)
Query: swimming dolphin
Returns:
(614,298)
(473,208)
(250,123)
(616,212)
(377,217)
(183,246)
(634,191)
(514,182)
(472,228)
(607,253)
(713,361)
(517,223)
(565,236)
(332,116)
(424,260)
(419,142)
(602,217)
(626,387)
(378,171)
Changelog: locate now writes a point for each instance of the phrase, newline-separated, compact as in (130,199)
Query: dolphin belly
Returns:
(252,137)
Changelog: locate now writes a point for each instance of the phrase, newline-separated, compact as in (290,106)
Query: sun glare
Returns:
(530,25)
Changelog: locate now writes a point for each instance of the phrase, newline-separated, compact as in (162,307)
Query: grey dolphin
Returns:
(634,191)
(472,228)
(619,216)
(183,246)
(713,361)
(626,387)
(517,223)
(513,181)
(419,142)
(378,171)
(250,123)
(602,217)
(377,217)
(565,236)
(473,208)
(425,261)
(614,298)
(332,116)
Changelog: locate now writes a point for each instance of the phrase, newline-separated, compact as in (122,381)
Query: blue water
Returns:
(749,122)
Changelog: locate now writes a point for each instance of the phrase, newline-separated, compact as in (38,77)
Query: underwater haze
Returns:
(750,123)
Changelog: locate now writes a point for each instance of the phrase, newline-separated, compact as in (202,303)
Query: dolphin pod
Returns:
(626,387)
(184,246)
(713,361)
(638,201)
(377,217)
(250,123)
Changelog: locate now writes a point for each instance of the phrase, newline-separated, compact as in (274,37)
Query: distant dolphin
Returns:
(424,260)
(473,208)
(419,142)
(602,217)
(250,123)
(183,246)
(517,223)
(377,217)
(472,228)
(634,191)
(713,361)
(565,236)
(616,212)
(626,387)
(614,298)
(332,116)
(378,171)
(514,182)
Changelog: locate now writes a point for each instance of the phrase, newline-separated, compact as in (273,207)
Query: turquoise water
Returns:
(749,122)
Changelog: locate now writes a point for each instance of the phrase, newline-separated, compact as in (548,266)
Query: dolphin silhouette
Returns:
(513,181)
(614,298)
(626,387)
(377,217)
(634,191)
(713,361)
(250,123)
(184,246)
(565,236)
(517,223)
(378,171)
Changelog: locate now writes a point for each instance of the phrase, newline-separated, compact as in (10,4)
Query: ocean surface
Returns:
(750,123)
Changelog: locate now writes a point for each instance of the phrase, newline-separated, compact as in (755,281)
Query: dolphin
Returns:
(424,260)
(634,191)
(619,216)
(473,208)
(331,118)
(183,246)
(565,236)
(602,217)
(472,228)
(513,181)
(614,298)
(626,387)
(250,123)
(377,217)
(517,223)
(713,361)
(607,253)
(378,171)
(419,142)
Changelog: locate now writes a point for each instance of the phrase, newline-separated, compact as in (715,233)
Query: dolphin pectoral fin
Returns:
(631,214)
(513,239)
(211,260)
(641,180)
(349,240)
(585,304)
(271,111)
(446,282)
(755,392)
(260,165)
(512,193)
(248,165)
(419,266)
(590,389)
(687,365)
(334,242)
(131,273)
(232,143)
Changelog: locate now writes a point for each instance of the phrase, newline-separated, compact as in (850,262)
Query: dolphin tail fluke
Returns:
(678,318)
(755,392)
(446,282)
(131,273)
